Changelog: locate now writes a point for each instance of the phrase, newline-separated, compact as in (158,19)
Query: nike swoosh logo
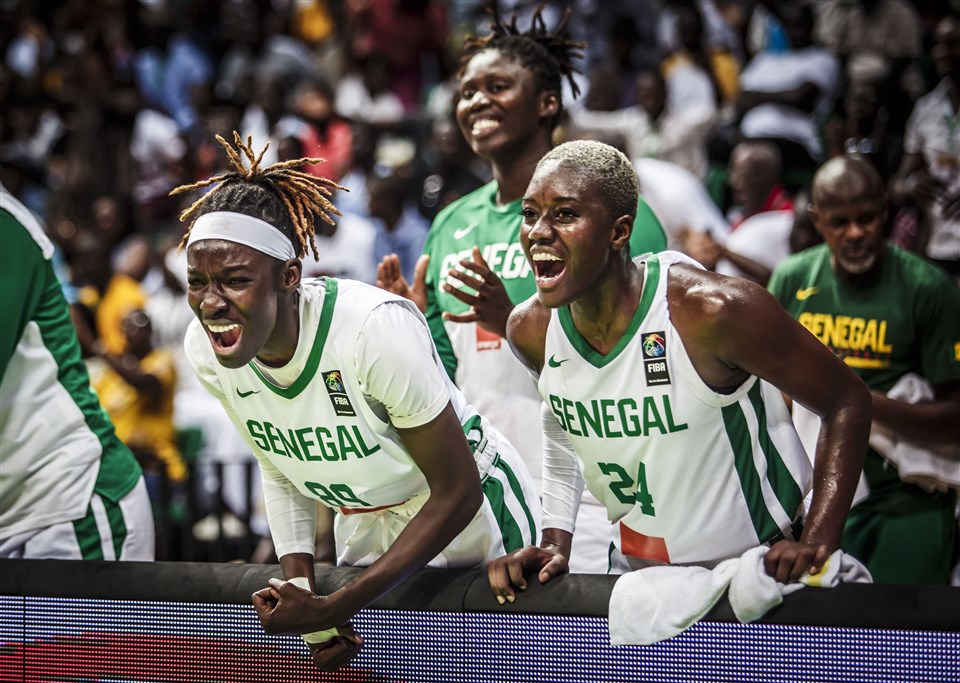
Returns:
(804,294)
(244,394)
(460,233)
(554,363)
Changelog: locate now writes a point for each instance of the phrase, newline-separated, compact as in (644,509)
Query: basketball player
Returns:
(664,380)
(71,490)
(339,392)
(508,109)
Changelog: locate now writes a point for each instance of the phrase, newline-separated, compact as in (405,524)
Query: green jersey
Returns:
(906,318)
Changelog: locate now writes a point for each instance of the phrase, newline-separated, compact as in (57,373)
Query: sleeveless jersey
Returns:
(323,432)
(481,363)
(687,475)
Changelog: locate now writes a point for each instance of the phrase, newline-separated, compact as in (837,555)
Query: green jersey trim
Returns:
(738,433)
(591,355)
(781,480)
(313,360)
(88,536)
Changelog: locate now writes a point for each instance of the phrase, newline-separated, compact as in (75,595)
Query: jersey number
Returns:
(628,491)
(336,495)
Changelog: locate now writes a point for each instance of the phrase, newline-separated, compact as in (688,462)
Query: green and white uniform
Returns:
(70,488)
(687,475)
(324,429)
(482,364)
(905,319)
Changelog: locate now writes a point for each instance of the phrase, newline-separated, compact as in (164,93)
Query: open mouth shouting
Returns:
(547,268)
(225,336)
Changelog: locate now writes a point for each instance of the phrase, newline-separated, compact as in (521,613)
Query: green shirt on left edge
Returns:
(53,431)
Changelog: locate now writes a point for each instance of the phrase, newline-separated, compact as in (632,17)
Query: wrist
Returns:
(314,637)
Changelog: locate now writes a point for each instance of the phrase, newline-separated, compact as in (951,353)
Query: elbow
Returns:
(472,500)
(858,403)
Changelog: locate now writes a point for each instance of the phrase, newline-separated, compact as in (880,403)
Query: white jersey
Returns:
(687,475)
(57,445)
(327,421)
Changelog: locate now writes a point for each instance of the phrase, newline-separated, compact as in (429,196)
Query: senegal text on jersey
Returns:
(506,259)
(611,419)
(299,443)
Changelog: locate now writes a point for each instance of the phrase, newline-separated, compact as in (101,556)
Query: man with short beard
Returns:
(886,312)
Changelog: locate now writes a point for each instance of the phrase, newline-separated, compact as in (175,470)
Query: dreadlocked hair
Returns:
(548,55)
(279,194)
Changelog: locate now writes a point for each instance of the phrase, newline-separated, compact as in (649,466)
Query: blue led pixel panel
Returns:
(81,640)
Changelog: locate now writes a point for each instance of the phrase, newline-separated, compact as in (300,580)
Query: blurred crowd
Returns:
(726,108)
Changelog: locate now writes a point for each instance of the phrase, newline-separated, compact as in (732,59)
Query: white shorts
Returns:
(508,519)
(592,538)
(109,531)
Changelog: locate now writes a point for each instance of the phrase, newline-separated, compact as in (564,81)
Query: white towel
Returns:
(934,466)
(653,604)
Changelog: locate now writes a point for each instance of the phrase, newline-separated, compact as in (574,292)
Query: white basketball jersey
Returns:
(687,475)
(323,432)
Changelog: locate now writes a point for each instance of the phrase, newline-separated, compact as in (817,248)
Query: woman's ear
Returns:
(549,104)
(621,230)
(290,273)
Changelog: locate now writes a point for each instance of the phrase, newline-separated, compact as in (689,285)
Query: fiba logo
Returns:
(654,345)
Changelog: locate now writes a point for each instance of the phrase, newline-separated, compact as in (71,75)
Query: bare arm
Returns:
(937,420)
(527,332)
(733,328)
(440,450)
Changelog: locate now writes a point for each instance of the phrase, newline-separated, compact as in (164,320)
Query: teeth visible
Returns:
(218,329)
(484,125)
(541,256)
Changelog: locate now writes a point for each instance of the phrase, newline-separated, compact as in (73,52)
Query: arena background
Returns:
(186,621)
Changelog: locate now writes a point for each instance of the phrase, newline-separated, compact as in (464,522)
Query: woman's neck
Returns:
(603,315)
(514,174)
(282,345)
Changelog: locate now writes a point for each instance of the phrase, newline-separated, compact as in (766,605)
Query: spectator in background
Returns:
(344,249)
(888,28)
(323,134)
(680,202)
(265,117)
(452,170)
(929,173)
(166,74)
(159,156)
(760,221)
(137,390)
(71,489)
(895,320)
(786,96)
(401,229)
(407,39)
(698,75)
(651,128)
(864,124)
(364,94)
(105,295)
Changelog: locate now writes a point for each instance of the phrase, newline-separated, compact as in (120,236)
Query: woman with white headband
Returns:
(339,391)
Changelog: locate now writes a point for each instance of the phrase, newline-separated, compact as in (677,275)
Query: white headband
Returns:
(247,230)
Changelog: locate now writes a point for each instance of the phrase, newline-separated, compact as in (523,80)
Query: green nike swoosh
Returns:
(554,363)
(244,394)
